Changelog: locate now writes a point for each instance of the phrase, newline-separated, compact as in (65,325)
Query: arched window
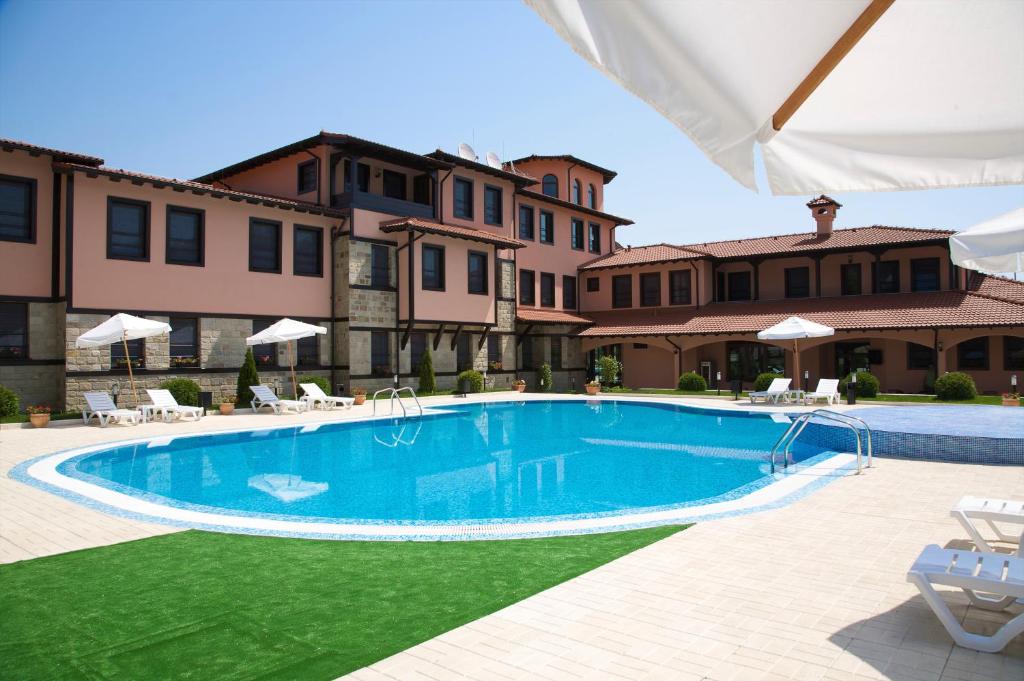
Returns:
(591,197)
(577,193)
(549,186)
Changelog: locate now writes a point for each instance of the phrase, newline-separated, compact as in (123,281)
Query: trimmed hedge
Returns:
(184,390)
(428,383)
(247,376)
(692,381)
(8,402)
(475,378)
(544,378)
(867,384)
(955,385)
(764,380)
(325,384)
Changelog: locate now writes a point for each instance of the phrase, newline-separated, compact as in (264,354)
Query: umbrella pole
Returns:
(131,376)
(291,360)
(796,365)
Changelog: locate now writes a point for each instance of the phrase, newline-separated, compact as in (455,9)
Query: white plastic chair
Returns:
(164,403)
(265,397)
(991,511)
(102,406)
(314,395)
(778,389)
(828,390)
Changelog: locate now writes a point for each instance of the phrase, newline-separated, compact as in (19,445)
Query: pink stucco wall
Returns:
(455,303)
(280,177)
(25,268)
(602,298)
(566,173)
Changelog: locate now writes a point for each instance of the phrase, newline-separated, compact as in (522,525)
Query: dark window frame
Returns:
(524,208)
(1007,363)
(362,169)
(915,264)
(305,348)
(804,288)
(550,277)
(591,196)
(616,280)
(455,198)
(844,287)
(22,351)
(594,237)
(736,277)
(377,369)
(440,285)
(648,277)
(465,358)
(569,284)
(32,207)
(489,190)
(375,271)
(673,299)
(417,350)
(280,228)
(556,353)
(549,179)
(388,173)
(877,274)
(577,236)
(550,241)
(983,342)
(269,348)
(422,189)
(493,350)
(577,192)
(593,284)
(319,231)
(531,290)
(300,188)
(470,256)
(117,351)
(146,230)
(194,345)
(200,235)
(914,352)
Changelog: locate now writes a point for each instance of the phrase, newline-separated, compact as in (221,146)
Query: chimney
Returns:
(824,210)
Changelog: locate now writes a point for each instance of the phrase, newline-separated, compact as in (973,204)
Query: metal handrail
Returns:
(393,392)
(384,390)
(411,392)
(798,425)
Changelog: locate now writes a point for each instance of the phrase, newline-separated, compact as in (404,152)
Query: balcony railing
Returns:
(382,204)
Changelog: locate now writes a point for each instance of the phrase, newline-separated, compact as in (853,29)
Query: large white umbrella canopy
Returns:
(795,328)
(285,331)
(996,245)
(842,96)
(122,328)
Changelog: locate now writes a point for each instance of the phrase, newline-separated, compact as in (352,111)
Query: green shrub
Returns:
(544,378)
(762,381)
(475,378)
(867,384)
(692,381)
(324,383)
(609,369)
(247,376)
(184,390)
(955,385)
(8,402)
(428,384)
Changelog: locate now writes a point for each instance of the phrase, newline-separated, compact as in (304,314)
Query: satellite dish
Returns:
(493,160)
(466,152)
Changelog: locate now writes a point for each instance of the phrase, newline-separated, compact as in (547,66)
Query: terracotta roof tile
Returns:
(531,315)
(823,201)
(943,309)
(441,229)
(642,255)
(996,287)
(854,237)
(57,154)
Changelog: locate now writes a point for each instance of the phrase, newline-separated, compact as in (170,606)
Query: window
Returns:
(266,354)
(1013,352)
(576,234)
(739,286)
(547,289)
(307,176)
(594,238)
(591,197)
(417,348)
(463,207)
(577,193)
(13,331)
(850,279)
(887,276)
(308,251)
(924,274)
(527,347)
(549,186)
(127,229)
(556,353)
(264,246)
(526,222)
(136,354)
(593,284)
(494,352)
(720,287)
(394,184)
(650,289)
(920,356)
(380,266)
(526,287)
(464,352)
(547,227)
(798,282)
(568,292)
(973,354)
(363,174)
(307,351)
(184,236)
(17,209)
(679,287)
(433,268)
(747,360)
(184,351)
(622,290)
(478,272)
(492,205)
(421,189)
(380,354)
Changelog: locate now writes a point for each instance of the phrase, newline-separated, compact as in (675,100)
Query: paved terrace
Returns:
(815,590)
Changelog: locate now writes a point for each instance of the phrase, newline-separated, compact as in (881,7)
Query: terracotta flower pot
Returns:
(519,387)
(39,420)
(1011,401)
(226,408)
(593,389)
(359,399)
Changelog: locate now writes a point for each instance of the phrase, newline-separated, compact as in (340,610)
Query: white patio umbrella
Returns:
(285,331)
(795,328)
(122,328)
(996,245)
(859,95)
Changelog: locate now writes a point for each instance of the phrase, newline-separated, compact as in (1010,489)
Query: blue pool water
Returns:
(504,460)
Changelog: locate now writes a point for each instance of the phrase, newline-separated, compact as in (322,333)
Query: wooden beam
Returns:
(483,337)
(405,336)
(823,68)
(437,337)
(455,336)
(520,337)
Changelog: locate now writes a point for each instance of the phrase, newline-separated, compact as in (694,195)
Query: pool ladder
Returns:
(397,393)
(799,423)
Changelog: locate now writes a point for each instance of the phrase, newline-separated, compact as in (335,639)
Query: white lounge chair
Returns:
(265,397)
(997,574)
(315,395)
(778,388)
(992,511)
(102,406)
(164,403)
(828,390)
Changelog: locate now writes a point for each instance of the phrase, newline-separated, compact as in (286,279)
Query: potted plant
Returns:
(1011,399)
(519,385)
(39,415)
(594,387)
(495,365)
(227,405)
(359,394)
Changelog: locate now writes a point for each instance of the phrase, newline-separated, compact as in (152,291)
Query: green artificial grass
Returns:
(199,605)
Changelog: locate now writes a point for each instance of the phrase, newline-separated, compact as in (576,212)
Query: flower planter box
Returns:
(1011,401)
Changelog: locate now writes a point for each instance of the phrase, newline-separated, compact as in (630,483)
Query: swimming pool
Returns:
(512,468)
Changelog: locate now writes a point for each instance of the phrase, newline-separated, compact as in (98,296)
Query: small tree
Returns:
(428,384)
(474,378)
(692,382)
(954,386)
(608,367)
(544,378)
(247,376)
(324,383)
(867,384)
(184,390)
(8,402)
(764,380)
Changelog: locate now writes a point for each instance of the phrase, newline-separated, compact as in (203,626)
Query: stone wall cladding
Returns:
(508,280)
(360,263)
(45,330)
(84,359)
(222,341)
(35,383)
(372,308)
(506,319)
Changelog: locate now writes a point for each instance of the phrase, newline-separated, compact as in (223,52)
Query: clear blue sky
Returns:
(182,88)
